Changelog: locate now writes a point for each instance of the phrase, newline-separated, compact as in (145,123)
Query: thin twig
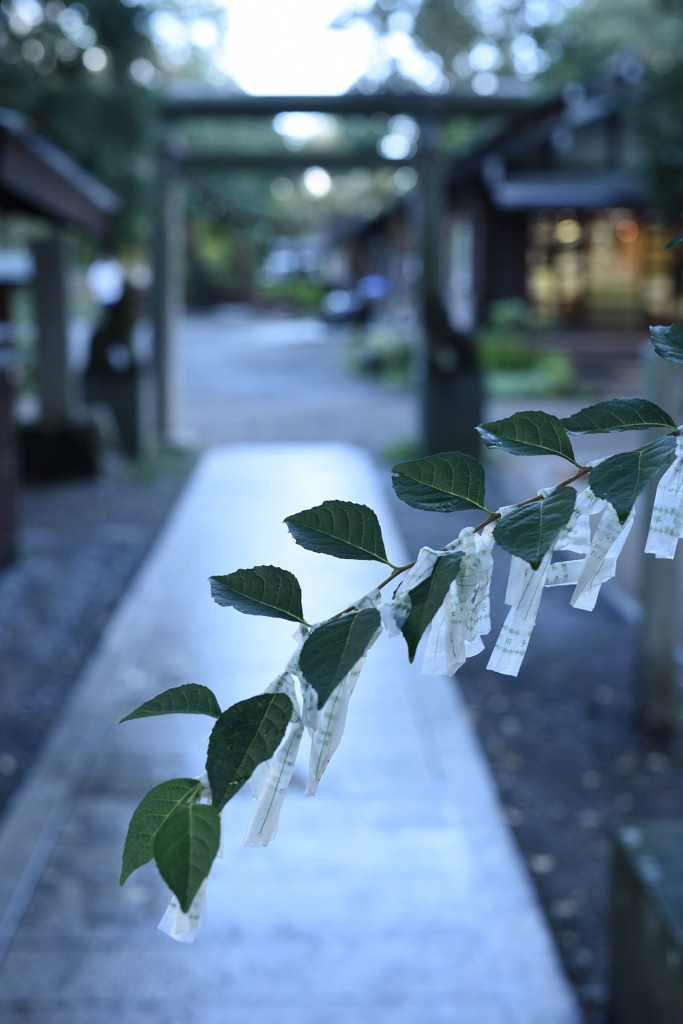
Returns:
(581,472)
(397,572)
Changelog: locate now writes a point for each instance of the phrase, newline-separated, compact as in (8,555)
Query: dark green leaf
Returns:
(189,699)
(427,597)
(528,433)
(668,342)
(245,735)
(339,528)
(450,482)
(153,810)
(263,590)
(674,241)
(185,848)
(331,650)
(621,478)
(531,530)
(617,414)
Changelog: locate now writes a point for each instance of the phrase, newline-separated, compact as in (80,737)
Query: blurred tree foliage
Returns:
(640,41)
(552,43)
(88,74)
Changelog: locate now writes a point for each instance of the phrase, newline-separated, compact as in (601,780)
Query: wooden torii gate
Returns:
(450,398)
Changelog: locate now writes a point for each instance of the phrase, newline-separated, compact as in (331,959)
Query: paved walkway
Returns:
(397,895)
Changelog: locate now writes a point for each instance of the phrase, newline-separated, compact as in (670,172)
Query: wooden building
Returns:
(554,209)
(39,179)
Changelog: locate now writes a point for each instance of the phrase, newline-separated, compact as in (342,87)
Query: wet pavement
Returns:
(246,377)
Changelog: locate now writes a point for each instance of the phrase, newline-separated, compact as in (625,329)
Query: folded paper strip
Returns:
(326,738)
(395,612)
(586,575)
(464,617)
(666,524)
(270,780)
(183,926)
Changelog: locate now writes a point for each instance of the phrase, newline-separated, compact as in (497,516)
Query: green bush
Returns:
(381,351)
(302,293)
(511,358)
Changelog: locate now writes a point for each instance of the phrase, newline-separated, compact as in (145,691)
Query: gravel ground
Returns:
(561,739)
(79,546)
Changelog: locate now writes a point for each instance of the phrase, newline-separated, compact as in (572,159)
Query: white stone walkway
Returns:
(396,896)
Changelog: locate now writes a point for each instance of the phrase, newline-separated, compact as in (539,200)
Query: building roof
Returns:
(539,159)
(39,178)
(589,190)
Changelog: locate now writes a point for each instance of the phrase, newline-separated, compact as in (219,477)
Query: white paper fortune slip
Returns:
(264,821)
(325,739)
(183,926)
(525,587)
(464,617)
(284,683)
(666,524)
(309,698)
(600,564)
(395,612)
(576,535)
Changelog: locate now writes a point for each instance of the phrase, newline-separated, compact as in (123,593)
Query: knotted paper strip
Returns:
(576,536)
(183,926)
(264,821)
(395,612)
(600,564)
(325,739)
(284,683)
(309,698)
(464,616)
(514,636)
(666,525)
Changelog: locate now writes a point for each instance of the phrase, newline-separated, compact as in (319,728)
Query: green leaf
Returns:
(668,342)
(617,414)
(674,241)
(331,650)
(245,735)
(185,848)
(189,699)
(450,482)
(340,528)
(621,478)
(531,530)
(529,433)
(263,590)
(427,597)
(153,810)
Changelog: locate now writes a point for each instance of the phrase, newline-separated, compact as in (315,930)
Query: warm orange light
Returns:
(627,230)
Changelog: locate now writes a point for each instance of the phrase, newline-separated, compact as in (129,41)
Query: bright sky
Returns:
(287,46)
(290,47)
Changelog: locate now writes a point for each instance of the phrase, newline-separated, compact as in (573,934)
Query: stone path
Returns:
(395,896)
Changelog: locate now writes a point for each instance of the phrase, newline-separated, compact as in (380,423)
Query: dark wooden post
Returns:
(8,460)
(451,383)
(660,584)
(57,385)
(168,291)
